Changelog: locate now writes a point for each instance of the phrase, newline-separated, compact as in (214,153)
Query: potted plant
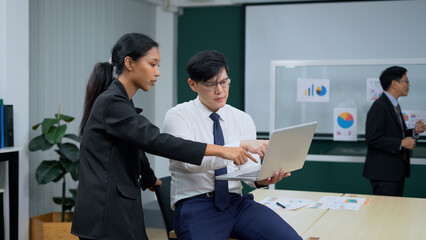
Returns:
(53,133)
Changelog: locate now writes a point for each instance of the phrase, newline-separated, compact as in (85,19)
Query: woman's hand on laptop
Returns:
(255,146)
(278,176)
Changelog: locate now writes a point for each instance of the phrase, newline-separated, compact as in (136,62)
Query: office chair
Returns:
(163,197)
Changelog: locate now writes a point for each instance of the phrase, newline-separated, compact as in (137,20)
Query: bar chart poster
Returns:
(345,124)
(374,89)
(313,90)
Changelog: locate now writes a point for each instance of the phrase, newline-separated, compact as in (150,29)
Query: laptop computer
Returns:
(287,149)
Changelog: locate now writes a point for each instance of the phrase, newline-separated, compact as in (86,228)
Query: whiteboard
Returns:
(326,31)
(347,89)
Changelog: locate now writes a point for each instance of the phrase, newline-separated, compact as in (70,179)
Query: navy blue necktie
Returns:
(221,197)
(398,112)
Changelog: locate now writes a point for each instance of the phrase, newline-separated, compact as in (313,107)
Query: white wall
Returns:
(67,39)
(165,89)
(2,48)
(14,89)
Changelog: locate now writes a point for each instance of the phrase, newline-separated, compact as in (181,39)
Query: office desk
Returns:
(12,156)
(383,218)
(300,219)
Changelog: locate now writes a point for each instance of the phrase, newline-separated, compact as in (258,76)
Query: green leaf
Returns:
(36,126)
(68,201)
(65,117)
(67,208)
(49,171)
(47,124)
(66,164)
(72,136)
(73,191)
(74,171)
(60,177)
(70,151)
(55,134)
(71,167)
(39,143)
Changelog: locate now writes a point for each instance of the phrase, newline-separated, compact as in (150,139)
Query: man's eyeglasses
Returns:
(407,81)
(212,85)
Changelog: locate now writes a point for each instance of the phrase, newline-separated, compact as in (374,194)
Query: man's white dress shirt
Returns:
(191,120)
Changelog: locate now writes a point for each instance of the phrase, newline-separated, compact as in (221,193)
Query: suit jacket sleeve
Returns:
(409,132)
(148,177)
(122,122)
(376,129)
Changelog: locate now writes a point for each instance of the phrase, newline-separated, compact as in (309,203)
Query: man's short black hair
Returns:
(205,65)
(390,74)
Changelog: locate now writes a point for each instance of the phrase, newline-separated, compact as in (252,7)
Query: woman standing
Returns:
(113,164)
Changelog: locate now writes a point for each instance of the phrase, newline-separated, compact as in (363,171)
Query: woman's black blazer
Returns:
(113,167)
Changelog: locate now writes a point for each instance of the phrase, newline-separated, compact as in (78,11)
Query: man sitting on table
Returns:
(206,208)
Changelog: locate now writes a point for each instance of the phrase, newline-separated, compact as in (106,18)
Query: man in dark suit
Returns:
(389,140)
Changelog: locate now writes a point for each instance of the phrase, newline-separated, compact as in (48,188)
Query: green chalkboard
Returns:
(216,28)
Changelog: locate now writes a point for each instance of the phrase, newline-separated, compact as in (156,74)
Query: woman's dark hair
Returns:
(134,45)
(390,74)
(205,65)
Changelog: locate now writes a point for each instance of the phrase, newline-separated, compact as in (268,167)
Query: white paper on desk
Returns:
(329,199)
(355,200)
(270,202)
(294,203)
(335,206)
(289,203)
(349,206)
(321,205)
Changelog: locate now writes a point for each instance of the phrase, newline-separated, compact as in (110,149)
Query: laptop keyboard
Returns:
(250,174)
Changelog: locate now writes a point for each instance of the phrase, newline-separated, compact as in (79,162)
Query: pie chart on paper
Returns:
(321,91)
(345,120)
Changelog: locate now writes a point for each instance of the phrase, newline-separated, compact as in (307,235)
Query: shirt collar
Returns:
(393,100)
(205,112)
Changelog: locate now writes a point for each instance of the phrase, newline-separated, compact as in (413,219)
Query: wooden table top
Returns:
(383,218)
(300,219)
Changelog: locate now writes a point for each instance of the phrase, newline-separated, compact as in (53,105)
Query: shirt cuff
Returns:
(415,136)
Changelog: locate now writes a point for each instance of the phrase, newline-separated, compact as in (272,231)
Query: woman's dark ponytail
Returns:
(99,81)
(133,45)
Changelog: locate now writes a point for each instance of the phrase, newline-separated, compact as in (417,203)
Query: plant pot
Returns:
(49,227)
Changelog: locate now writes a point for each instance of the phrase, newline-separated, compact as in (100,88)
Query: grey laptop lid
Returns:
(287,149)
